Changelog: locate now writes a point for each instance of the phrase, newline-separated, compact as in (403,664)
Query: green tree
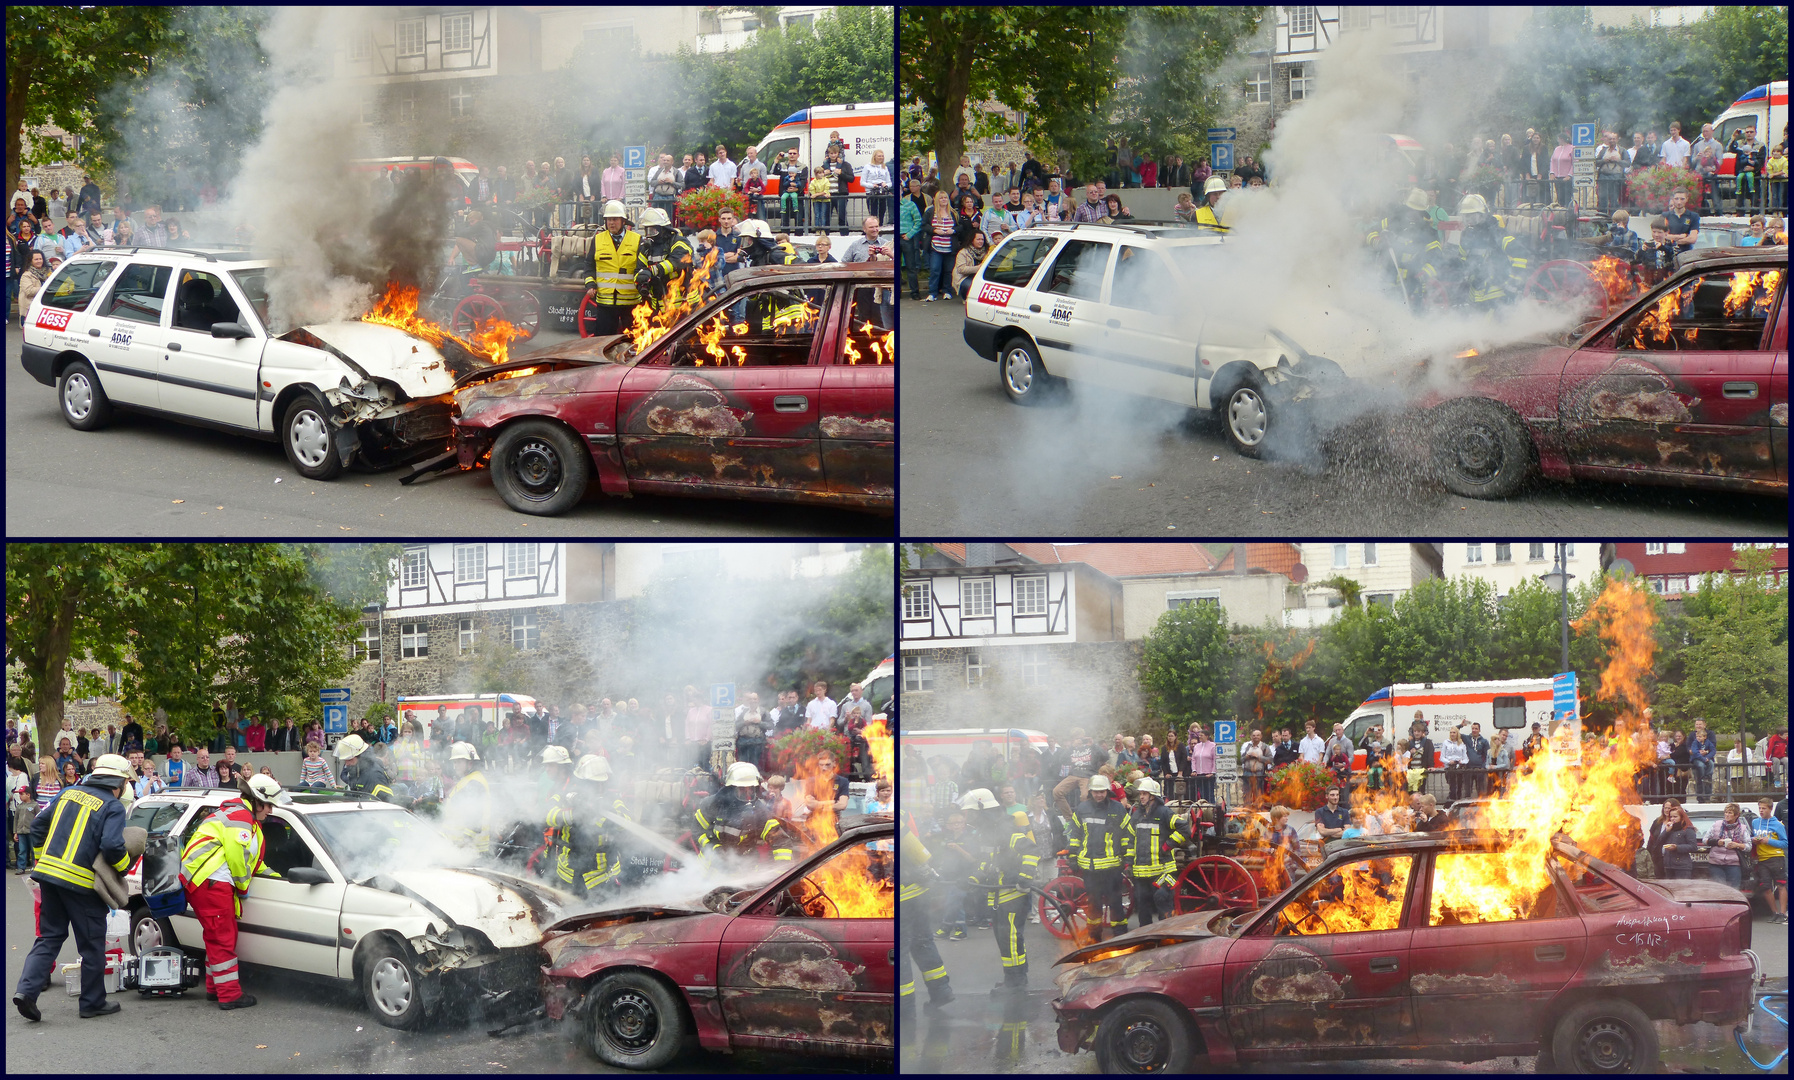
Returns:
(847,629)
(1735,667)
(1528,632)
(1187,665)
(1443,629)
(1349,589)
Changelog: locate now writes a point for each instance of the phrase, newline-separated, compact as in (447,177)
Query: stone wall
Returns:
(1091,685)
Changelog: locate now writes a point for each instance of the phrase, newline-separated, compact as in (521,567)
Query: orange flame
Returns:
(684,293)
(1615,276)
(848,885)
(397,307)
(1754,288)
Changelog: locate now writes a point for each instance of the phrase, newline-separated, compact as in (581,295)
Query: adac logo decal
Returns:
(1062,310)
(121,336)
(54,318)
(997,295)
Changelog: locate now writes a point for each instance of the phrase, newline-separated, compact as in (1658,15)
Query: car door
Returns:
(1072,319)
(129,325)
(1327,972)
(1143,344)
(1681,386)
(1778,390)
(1484,972)
(728,404)
(859,402)
(285,924)
(202,376)
(794,971)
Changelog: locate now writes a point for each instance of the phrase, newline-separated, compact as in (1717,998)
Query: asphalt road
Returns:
(973,463)
(145,476)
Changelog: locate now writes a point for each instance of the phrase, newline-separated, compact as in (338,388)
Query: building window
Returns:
(409,34)
(457,33)
(915,601)
(1298,82)
(414,640)
(1569,551)
(1535,552)
(1033,665)
(520,560)
(1386,599)
(1504,553)
(1676,583)
(417,568)
(800,20)
(470,638)
(1030,596)
(470,564)
(976,599)
(1341,558)
(1370,554)
(1175,600)
(974,669)
(1473,553)
(610,40)
(1354,18)
(524,632)
(1677,549)
(918,673)
(367,647)
(461,102)
(370,108)
(361,47)
(1258,88)
(1402,16)
(1301,20)
(1653,549)
(408,108)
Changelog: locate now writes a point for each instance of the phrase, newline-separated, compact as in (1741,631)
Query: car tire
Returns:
(1608,1035)
(1246,418)
(304,431)
(635,1021)
(1145,1035)
(1481,449)
(148,932)
(1023,377)
(539,467)
(397,993)
(84,402)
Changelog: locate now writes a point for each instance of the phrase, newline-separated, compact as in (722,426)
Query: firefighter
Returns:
(762,248)
(735,819)
(1005,877)
(1208,215)
(666,257)
(216,867)
(1156,832)
(361,772)
(780,311)
(1407,243)
(86,823)
(913,925)
(467,808)
(1099,840)
(616,256)
(1494,261)
(557,779)
(587,861)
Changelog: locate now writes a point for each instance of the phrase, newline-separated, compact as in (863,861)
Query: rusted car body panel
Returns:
(1455,992)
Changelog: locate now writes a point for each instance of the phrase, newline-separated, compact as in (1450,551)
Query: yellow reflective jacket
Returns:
(614,264)
(467,812)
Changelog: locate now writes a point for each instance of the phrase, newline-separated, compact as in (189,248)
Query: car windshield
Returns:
(254,284)
(368,842)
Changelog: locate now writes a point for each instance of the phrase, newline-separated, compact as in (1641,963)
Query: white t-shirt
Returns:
(1675,152)
(1313,749)
(820,712)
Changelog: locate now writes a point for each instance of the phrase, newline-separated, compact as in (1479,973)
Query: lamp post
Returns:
(1558,578)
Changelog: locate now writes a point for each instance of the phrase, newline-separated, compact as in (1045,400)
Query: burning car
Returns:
(802,964)
(780,388)
(368,896)
(1433,945)
(186,335)
(1687,385)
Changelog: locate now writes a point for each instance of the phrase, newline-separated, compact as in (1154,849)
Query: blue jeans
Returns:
(940,273)
(819,213)
(1205,786)
(1703,777)
(21,854)
(841,211)
(1732,875)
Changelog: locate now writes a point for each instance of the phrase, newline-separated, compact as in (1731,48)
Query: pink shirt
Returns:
(1202,758)
(613,182)
(1563,162)
(697,724)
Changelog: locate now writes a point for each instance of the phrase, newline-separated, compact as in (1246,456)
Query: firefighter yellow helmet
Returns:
(556,755)
(614,209)
(592,767)
(351,746)
(742,774)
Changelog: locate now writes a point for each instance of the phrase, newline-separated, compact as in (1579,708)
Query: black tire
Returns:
(147,932)
(84,402)
(1246,417)
(396,992)
(634,1021)
(1605,1036)
(306,436)
(539,467)
(1481,449)
(1023,377)
(1145,1036)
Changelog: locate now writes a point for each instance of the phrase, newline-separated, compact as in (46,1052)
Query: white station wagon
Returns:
(1099,304)
(365,897)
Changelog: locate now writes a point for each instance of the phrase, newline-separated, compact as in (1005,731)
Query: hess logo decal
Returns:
(53,319)
(995,294)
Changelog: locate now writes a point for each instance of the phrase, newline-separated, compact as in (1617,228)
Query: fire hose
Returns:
(659,842)
(1738,1032)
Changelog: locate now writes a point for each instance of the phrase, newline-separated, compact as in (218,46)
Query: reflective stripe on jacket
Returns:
(614,264)
(226,847)
(84,823)
(1156,831)
(467,812)
(1100,836)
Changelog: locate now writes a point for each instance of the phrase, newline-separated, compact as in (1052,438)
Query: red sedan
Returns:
(1686,386)
(781,388)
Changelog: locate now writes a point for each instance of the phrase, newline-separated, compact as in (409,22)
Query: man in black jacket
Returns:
(698,175)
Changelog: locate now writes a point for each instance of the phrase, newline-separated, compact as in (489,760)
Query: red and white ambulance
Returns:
(1511,705)
(863,128)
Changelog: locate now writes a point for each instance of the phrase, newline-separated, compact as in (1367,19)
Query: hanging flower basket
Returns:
(1650,190)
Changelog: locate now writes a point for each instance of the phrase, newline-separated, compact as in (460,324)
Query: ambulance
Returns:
(956,744)
(865,127)
(1765,109)
(1511,705)
(493,708)
(465,171)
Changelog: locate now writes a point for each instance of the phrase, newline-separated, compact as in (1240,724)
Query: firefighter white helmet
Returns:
(1419,200)
(978,799)
(111,767)
(266,789)
(742,774)
(1148,785)
(652,216)
(463,752)
(1215,183)
(614,209)
(754,227)
(592,767)
(1473,204)
(556,755)
(351,746)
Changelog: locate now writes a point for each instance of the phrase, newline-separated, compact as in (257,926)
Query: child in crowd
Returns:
(314,770)
(21,811)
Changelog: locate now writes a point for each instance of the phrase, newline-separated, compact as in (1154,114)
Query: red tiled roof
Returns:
(1125,560)
(1276,558)
(956,552)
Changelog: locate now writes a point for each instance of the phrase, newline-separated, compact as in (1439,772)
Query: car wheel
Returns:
(1145,1036)
(634,1021)
(1246,418)
(1024,379)
(149,932)
(1481,448)
(539,467)
(1605,1036)
(84,404)
(395,990)
(305,434)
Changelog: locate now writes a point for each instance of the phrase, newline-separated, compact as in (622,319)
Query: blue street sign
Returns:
(335,693)
(1220,134)
(635,157)
(336,719)
(1220,156)
(1582,135)
(1224,731)
(722,695)
(1563,695)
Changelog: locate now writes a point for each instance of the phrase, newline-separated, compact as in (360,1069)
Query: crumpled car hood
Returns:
(386,352)
(509,916)
(1173,931)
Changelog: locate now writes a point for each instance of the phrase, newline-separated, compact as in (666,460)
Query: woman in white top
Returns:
(876,179)
(1456,758)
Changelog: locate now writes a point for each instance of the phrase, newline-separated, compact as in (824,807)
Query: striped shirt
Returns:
(943,234)
(47,787)
(315,771)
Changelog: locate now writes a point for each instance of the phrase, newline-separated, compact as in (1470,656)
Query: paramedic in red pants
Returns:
(225,852)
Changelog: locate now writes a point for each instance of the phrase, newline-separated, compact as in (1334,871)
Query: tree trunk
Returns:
(54,685)
(950,125)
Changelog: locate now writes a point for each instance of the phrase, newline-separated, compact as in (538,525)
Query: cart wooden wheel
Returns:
(1566,281)
(474,310)
(1215,881)
(524,312)
(580,321)
(1067,919)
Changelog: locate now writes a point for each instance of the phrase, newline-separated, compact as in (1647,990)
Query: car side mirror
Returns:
(307,875)
(230,330)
